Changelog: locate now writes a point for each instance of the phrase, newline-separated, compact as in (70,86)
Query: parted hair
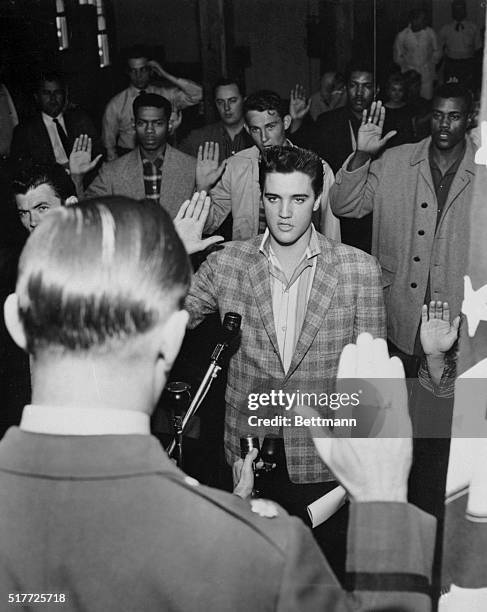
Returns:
(94,275)
(285,160)
(29,174)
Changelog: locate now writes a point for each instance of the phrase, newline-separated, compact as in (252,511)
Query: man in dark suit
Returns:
(109,522)
(154,169)
(48,137)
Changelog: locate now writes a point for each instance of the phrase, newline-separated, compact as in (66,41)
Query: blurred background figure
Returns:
(332,94)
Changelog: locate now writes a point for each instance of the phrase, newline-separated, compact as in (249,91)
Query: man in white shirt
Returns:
(460,40)
(49,136)
(118,131)
(416,48)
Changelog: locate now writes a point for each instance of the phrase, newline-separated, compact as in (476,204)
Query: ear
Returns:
(13,322)
(287,121)
(317,204)
(71,201)
(169,339)
(246,127)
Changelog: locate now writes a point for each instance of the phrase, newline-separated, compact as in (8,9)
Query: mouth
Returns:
(285,227)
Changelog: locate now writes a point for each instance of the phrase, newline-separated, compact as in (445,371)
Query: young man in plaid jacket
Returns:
(302,298)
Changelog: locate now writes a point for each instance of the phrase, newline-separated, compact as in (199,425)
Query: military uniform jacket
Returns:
(111,523)
(399,188)
(345,300)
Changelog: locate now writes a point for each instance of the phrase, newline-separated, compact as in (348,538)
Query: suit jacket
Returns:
(31,139)
(125,176)
(112,524)
(345,300)
(399,188)
(238,192)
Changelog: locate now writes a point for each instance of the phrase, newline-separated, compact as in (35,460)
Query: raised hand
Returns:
(298,106)
(190,221)
(437,332)
(80,161)
(175,119)
(243,475)
(371,469)
(369,137)
(208,172)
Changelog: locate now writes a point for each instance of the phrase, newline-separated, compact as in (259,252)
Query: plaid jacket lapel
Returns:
(259,278)
(322,290)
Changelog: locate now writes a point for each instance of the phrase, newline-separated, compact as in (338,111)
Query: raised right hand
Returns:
(369,135)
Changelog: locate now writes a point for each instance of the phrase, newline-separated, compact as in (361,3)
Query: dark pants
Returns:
(331,536)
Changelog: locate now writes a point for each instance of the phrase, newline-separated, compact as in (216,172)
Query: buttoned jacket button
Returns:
(424,205)
(421,232)
(414,285)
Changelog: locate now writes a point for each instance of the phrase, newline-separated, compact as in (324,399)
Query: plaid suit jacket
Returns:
(345,300)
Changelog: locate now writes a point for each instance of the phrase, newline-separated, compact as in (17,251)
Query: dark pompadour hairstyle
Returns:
(95,275)
(50,76)
(285,160)
(455,90)
(29,174)
(135,51)
(154,100)
(266,100)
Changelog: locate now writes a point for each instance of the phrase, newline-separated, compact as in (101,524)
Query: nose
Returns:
(33,221)
(265,136)
(149,128)
(226,105)
(445,121)
(285,209)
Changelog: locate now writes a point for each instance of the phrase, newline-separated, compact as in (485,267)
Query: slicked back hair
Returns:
(95,275)
(30,174)
(285,160)
(265,100)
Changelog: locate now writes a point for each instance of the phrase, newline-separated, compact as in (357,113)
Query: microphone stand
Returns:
(211,373)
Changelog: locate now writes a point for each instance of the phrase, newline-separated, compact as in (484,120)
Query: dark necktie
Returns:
(459,26)
(141,91)
(62,136)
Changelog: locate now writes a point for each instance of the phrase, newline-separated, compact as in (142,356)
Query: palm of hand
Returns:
(207,169)
(437,336)
(298,108)
(79,162)
(368,138)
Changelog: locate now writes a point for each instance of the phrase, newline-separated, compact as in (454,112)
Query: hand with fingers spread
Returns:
(371,469)
(243,475)
(80,161)
(369,137)
(437,332)
(208,172)
(190,221)
(298,106)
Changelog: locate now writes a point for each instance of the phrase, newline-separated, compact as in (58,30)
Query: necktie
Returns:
(62,136)
(459,26)
(141,91)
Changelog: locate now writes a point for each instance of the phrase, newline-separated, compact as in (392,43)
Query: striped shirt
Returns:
(153,177)
(290,297)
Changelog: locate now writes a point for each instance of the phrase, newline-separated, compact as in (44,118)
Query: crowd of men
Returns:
(337,226)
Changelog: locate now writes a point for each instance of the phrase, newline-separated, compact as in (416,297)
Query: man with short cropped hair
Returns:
(107,519)
(118,120)
(154,169)
(229,132)
(420,195)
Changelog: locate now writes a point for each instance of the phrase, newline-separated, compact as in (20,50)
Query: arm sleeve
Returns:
(353,193)
(101,185)
(221,202)
(389,559)
(436,49)
(398,51)
(329,224)
(202,298)
(110,128)
(446,386)
(370,315)
(188,94)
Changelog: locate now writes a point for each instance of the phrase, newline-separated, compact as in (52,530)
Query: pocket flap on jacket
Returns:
(389,267)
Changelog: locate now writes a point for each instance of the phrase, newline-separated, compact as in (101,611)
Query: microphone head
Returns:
(230,326)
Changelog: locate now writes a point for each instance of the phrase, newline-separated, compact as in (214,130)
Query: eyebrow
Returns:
(294,195)
(34,207)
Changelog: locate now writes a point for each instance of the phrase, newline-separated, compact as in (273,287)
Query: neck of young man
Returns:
(445,158)
(153,154)
(234,129)
(289,255)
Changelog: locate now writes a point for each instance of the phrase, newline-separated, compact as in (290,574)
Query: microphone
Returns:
(229,331)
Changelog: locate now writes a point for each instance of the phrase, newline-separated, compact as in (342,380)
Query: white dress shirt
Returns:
(73,421)
(57,146)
